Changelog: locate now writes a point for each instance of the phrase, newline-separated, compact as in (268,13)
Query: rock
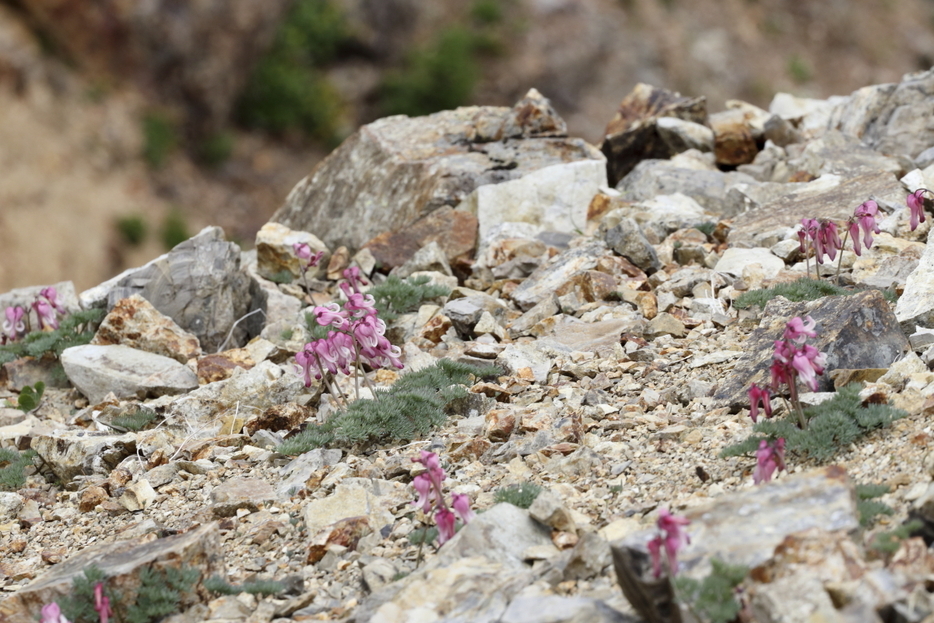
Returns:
(24,371)
(276,256)
(663,324)
(553,198)
(550,511)
(829,197)
(281,417)
(213,368)
(889,118)
(681,135)
(79,453)
(857,331)
(627,239)
(10,504)
(734,140)
(396,170)
(378,573)
(632,135)
(127,372)
(915,307)
(429,258)
(356,497)
(590,337)
(236,493)
(734,260)
(138,496)
(296,473)
(551,277)
(546,308)
(454,230)
(844,155)
(558,609)
(260,387)
(175,284)
(121,562)
(345,533)
(518,357)
(134,322)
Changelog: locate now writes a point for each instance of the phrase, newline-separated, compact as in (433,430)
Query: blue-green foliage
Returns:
(521,495)
(714,597)
(74,330)
(78,606)
(832,426)
(12,466)
(395,296)
(426,536)
(135,421)
(868,507)
(160,593)
(412,407)
(287,91)
(888,542)
(795,291)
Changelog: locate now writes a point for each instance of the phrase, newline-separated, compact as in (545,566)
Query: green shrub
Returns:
(159,139)
(796,291)
(888,542)
(74,330)
(395,296)
(283,276)
(868,507)
(265,588)
(215,150)
(486,12)
(287,91)
(706,228)
(832,426)
(426,536)
(798,69)
(439,77)
(160,593)
(136,421)
(29,397)
(521,495)
(714,597)
(12,468)
(174,229)
(413,406)
(132,229)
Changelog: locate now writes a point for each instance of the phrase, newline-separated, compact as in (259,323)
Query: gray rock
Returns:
(550,511)
(550,277)
(627,239)
(589,558)
(431,258)
(356,497)
(199,284)
(734,260)
(915,307)
(398,169)
(378,573)
(80,453)
(128,373)
(592,337)
(681,135)
(518,356)
(632,135)
(10,503)
(546,308)
(249,493)
(664,324)
(858,331)
(557,609)
(844,155)
(296,473)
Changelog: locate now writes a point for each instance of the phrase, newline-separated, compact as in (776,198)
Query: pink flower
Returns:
(798,330)
(769,457)
(14,326)
(865,218)
(48,318)
(809,230)
(916,203)
(672,537)
(101,603)
(330,314)
(306,358)
(353,276)
(759,395)
(461,505)
(426,493)
(829,240)
(445,521)
(51,295)
(359,305)
(51,613)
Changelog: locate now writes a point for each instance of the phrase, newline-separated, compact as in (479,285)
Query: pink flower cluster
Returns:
(52,613)
(17,323)
(822,236)
(307,258)
(769,457)
(431,498)
(357,334)
(864,220)
(672,537)
(794,357)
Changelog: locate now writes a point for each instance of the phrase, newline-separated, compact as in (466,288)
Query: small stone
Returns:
(138,496)
(91,498)
(664,324)
(549,510)
(240,493)
(134,322)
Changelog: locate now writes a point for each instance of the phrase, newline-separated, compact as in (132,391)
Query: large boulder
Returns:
(396,170)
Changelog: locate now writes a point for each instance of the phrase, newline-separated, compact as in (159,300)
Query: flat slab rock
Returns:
(127,372)
(858,331)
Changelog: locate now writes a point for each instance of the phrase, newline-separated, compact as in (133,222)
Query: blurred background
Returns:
(126,126)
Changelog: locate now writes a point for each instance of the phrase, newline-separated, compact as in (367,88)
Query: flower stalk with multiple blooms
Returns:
(671,537)
(17,321)
(431,498)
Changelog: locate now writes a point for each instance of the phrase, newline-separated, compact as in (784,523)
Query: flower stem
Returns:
(836,277)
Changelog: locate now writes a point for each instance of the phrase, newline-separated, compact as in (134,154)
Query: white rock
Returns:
(694,135)
(734,260)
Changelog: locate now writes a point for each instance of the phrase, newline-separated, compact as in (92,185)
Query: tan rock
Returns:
(275,255)
(134,322)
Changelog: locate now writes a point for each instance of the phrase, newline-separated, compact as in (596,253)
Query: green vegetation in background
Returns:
(132,229)
(395,296)
(159,139)
(487,12)
(215,149)
(287,91)
(798,69)
(75,329)
(713,599)
(174,229)
(439,77)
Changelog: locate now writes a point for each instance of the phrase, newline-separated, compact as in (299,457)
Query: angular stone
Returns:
(127,372)
(499,424)
(663,324)
(734,260)
(600,336)
(24,371)
(858,331)
(134,322)
(626,238)
(829,197)
(681,135)
(138,496)
(558,609)
(285,417)
(296,473)
(176,284)
(396,170)
(553,198)
(345,533)
(842,154)
(551,277)
(915,307)
(430,258)
(121,562)
(80,453)
(517,357)
(550,511)
(10,503)
(734,142)
(275,254)
(632,134)
(546,308)
(236,493)
(356,497)
(454,230)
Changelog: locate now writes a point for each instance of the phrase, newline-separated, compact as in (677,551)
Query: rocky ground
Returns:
(601,281)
